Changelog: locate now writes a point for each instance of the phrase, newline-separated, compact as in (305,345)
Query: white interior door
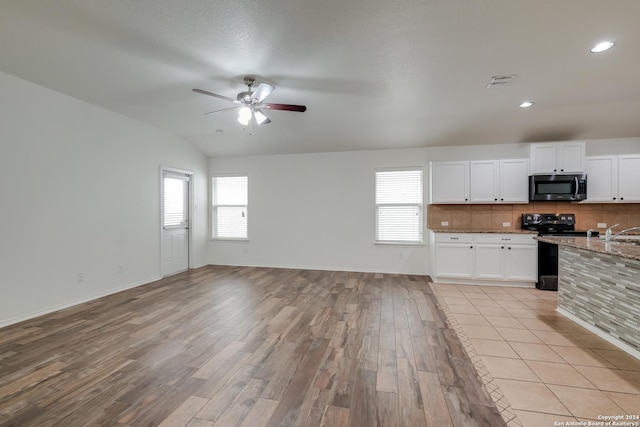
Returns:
(176,208)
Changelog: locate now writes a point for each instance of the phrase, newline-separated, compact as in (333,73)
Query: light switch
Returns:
(602,225)
(444,223)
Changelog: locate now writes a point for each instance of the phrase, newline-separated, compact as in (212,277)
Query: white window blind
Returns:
(230,200)
(399,205)
(175,189)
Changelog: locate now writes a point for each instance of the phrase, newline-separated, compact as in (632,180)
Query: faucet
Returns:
(607,234)
(623,231)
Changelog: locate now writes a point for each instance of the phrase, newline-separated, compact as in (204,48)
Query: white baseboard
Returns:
(479,282)
(62,306)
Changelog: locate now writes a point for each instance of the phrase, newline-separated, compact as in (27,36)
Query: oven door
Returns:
(558,187)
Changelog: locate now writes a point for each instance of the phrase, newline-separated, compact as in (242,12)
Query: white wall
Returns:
(317,211)
(603,147)
(80,193)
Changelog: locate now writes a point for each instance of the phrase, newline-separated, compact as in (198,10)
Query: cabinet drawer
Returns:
(514,239)
(454,237)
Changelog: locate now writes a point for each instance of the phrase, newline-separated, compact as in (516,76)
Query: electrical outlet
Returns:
(120,268)
(506,224)
(80,277)
(602,225)
(444,223)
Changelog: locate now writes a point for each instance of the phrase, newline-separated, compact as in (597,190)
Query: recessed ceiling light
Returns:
(526,104)
(601,47)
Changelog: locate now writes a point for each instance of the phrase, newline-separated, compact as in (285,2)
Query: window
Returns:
(230,195)
(175,189)
(399,205)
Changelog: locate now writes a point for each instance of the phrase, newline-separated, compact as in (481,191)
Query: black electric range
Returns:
(554,225)
(551,225)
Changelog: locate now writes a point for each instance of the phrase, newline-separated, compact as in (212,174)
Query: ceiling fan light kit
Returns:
(251,103)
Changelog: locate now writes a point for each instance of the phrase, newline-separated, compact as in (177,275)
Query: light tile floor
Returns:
(540,368)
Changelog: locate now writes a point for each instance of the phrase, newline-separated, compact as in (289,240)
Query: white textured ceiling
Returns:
(372,73)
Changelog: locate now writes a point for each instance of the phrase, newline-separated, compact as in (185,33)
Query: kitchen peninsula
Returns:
(599,287)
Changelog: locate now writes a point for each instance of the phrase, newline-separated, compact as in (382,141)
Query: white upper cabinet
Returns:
(514,181)
(557,157)
(484,183)
(480,181)
(450,182)
(602,178)
(613,178)
(628,178)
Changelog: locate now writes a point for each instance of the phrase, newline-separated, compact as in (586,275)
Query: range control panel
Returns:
(548,219)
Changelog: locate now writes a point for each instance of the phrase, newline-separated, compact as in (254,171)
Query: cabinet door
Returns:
(450,182)
(602,178)
(489,261)
(454,260)
(570,157)
(521,262)
(514,181)
(543,158)
(484,181)
(628,178)
(557,157)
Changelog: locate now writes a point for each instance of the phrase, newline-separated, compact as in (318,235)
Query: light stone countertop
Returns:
(622,248)
(471,230)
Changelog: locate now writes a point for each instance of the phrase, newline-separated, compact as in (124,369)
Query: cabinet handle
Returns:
(561,170)
(502,200)
(471,247)
(509,248)
(495,200)
(614,198)
(555,170)
(506,238)
(502,247)
(454,238)
(621,198)
(466,200)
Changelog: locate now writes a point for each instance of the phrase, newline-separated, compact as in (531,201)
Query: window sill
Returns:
(377,243)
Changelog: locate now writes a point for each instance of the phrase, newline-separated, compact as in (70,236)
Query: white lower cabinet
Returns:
(489,261)
(486,258)
(455,255)
(519,265)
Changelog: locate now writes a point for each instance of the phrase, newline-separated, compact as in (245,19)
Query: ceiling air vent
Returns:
(497,81)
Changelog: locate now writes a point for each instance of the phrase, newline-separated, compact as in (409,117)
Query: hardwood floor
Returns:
(238,346)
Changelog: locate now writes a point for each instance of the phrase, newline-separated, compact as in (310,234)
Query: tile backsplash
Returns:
(493,217)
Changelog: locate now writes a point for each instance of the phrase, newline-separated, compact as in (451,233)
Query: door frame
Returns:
(190,216)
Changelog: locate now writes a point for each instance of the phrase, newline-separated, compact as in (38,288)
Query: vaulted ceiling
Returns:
(373,73)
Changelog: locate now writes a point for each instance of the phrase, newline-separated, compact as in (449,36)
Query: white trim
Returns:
(212,206)
(62,306)
(420,206)
(599,332)
(479,282)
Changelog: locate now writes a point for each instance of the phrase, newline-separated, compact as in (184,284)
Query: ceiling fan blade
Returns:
(261,118)
(286,107)
(263,90)
(204,92)
(224,109)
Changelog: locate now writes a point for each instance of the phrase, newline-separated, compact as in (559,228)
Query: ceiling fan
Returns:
(251,103)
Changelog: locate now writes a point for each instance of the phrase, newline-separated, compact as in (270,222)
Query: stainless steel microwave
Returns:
(558,187)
